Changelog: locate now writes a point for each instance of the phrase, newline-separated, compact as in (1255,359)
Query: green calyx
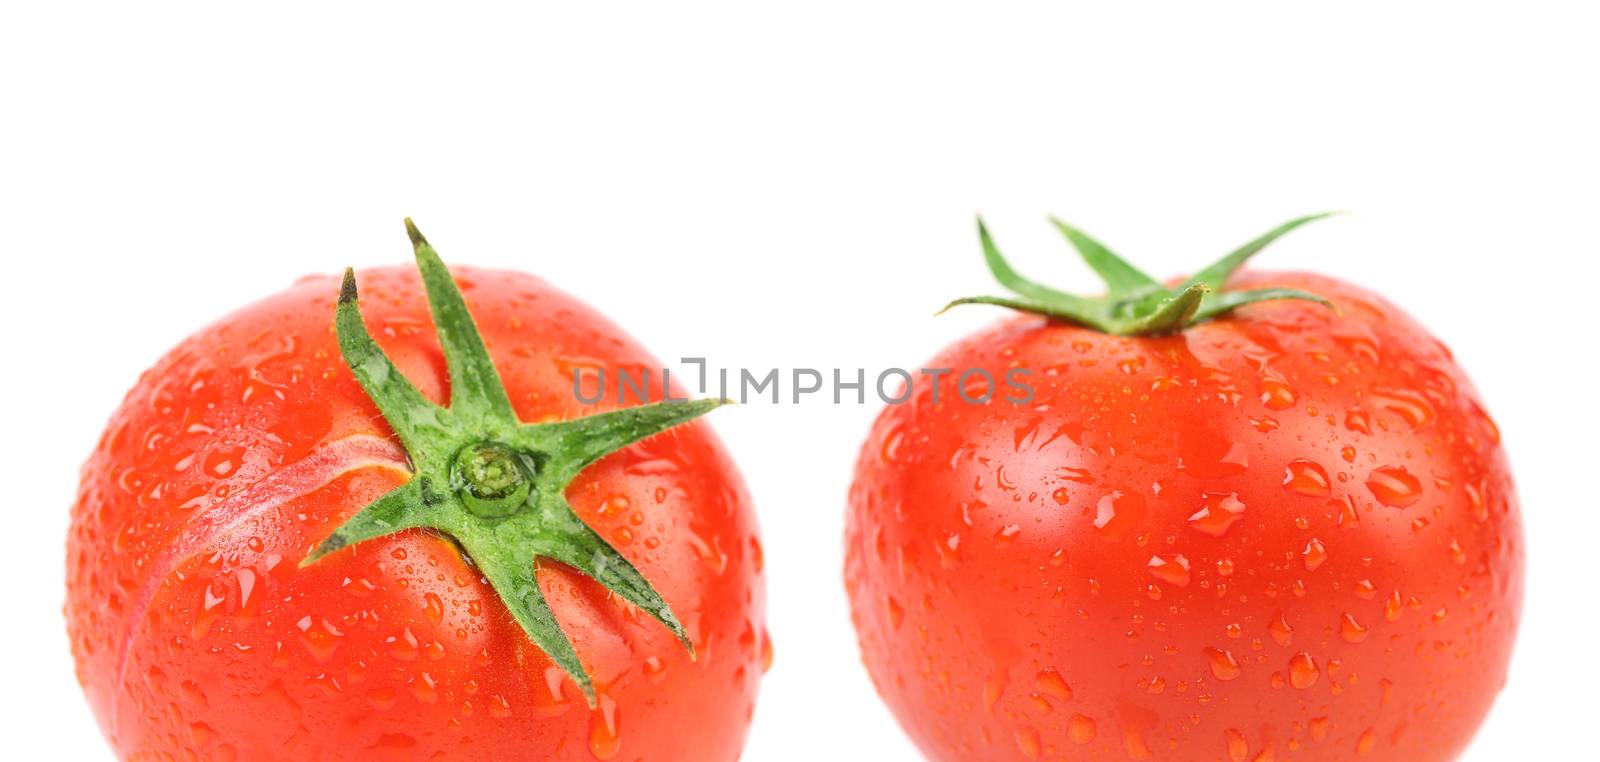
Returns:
(1136,304)
(495,485)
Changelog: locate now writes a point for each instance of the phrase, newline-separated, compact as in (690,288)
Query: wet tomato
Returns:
(1280,531)
(215,613)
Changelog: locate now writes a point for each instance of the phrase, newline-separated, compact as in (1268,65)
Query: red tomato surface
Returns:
(1283,534)
(196,635)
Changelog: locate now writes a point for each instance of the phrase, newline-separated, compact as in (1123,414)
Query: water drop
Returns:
(1028,741)
(1365,590)
(1170,567)
(1081,729)
(1276,394)
(1223,666)
(1394,486)
(1237,747)
(1303,672)
(1411,406)
(1393,607)
(1314,554)
(993,689)
(1280,630)
(1345,509)
(605,740)
(1050,682)
(433,607)
(1367,742)
(1217,513)
(1303,477)
(1358,420)
(1351,630)
(1118,513)
(424,688)
(403,647)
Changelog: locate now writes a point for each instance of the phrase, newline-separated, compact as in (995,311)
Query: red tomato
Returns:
(1286,533)
(196,634)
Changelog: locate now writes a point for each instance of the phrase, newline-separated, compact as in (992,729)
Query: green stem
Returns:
(494,484)
(1135,304)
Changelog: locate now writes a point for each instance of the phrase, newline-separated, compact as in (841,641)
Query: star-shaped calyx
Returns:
(494,484)
(1135,304)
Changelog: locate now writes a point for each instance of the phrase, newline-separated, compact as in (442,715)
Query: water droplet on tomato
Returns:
(221,463)
(1314,554)
(1134,744)
(320,638)
(1457,554)
(1303,477)
(1237,747)
(1367,742)
(1365,590)
(1280,630)
(1051,683)
(897,614)
(1277,394)
(424,689)
(1081,729)
(766,651)
(1223,665)
(1170,567)
(605,737)
(1394,486)
(1118,513)
(433,607)
(1393,607)
(890,450)
(1476,502)
(1303,670)
(403,647)
(1411,406)
(1351,630)
(993,689)
(1028,741)
(1217,513)
(1346,512)
(1358,420)
(949,550)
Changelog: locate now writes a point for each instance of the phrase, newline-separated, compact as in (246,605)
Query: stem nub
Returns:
(494,481)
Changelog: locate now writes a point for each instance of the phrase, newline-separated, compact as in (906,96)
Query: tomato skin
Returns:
(1033,581)
(251,442)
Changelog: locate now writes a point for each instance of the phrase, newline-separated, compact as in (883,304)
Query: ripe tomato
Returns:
(1288,532)
(198,631)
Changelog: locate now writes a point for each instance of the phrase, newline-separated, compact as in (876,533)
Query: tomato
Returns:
(1284,532)
(202,626)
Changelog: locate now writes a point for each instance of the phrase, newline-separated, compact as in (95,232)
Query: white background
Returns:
(780,188)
